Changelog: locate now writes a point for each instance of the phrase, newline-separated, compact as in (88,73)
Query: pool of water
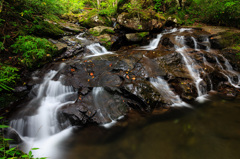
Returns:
(208,131)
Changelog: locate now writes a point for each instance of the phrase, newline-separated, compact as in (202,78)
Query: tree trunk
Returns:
(98,4)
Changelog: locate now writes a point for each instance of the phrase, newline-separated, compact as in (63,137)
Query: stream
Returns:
(173,98)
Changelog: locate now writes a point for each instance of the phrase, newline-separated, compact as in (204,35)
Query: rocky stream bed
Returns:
(89,85)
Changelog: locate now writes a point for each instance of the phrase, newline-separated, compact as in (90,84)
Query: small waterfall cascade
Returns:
(97,50)
(163,88)
(232,76)
(101,99)
(191,65)
(207,43)
(196,47)
(80,37)
(153,43)
(40,128)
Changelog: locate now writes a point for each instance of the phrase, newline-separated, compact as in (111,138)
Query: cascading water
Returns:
(153,43)
(97,50)
(80,37)
(42,127)
(191,65)
(163,88)
(229,73)
(196,47)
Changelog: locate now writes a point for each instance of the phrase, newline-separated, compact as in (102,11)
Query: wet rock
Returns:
(136,37)
(12,134)
(96,107)
(98,30)
(167,42)
(20,89)
(226,91)
(230,54)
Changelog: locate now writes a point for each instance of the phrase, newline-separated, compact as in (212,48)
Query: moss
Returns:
(143,34)
(94,33)
(108,31)
(104,39)
(46,29)
(230,39)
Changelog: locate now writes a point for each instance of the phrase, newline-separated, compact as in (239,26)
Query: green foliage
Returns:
(223,12)
(44,28)
(8,76)
(143,34)
(108,12)
(12,153)
(33,50)
(1,46)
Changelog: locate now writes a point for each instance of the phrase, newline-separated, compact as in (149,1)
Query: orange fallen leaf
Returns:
(91,74)
(133,78)
(110,65)
(72,70)
(127,77)
(88,80)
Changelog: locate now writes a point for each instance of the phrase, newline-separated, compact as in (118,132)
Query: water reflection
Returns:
(212,130)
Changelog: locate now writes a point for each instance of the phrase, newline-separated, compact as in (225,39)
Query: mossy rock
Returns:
(136,37)
(145,21)
(229,39)
(93,19)
(99,30)
(106,41)
(46,29)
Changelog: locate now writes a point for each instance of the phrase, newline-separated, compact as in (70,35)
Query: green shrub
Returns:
(8,76)
(218,12)
(33,50)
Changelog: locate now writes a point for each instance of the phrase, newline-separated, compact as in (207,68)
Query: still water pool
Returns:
(208,131)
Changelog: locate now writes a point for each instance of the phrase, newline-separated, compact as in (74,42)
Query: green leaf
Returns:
(3,126)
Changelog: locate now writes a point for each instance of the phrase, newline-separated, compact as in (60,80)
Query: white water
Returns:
(163,88)
(97,50)
(42,129)
(80,37)
(153,43)
(229,73)
(191,65)
(196,47)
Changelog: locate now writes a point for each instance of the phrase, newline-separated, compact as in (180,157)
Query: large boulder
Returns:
(98,30)
(144,21)
(92,19)
(136,37)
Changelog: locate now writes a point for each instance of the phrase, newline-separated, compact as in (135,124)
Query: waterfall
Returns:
(153,43)
(97,50)
(196,47)
(41,127)
(191,65)
(163,88)
(229,73)
(79,37)
(207,43)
